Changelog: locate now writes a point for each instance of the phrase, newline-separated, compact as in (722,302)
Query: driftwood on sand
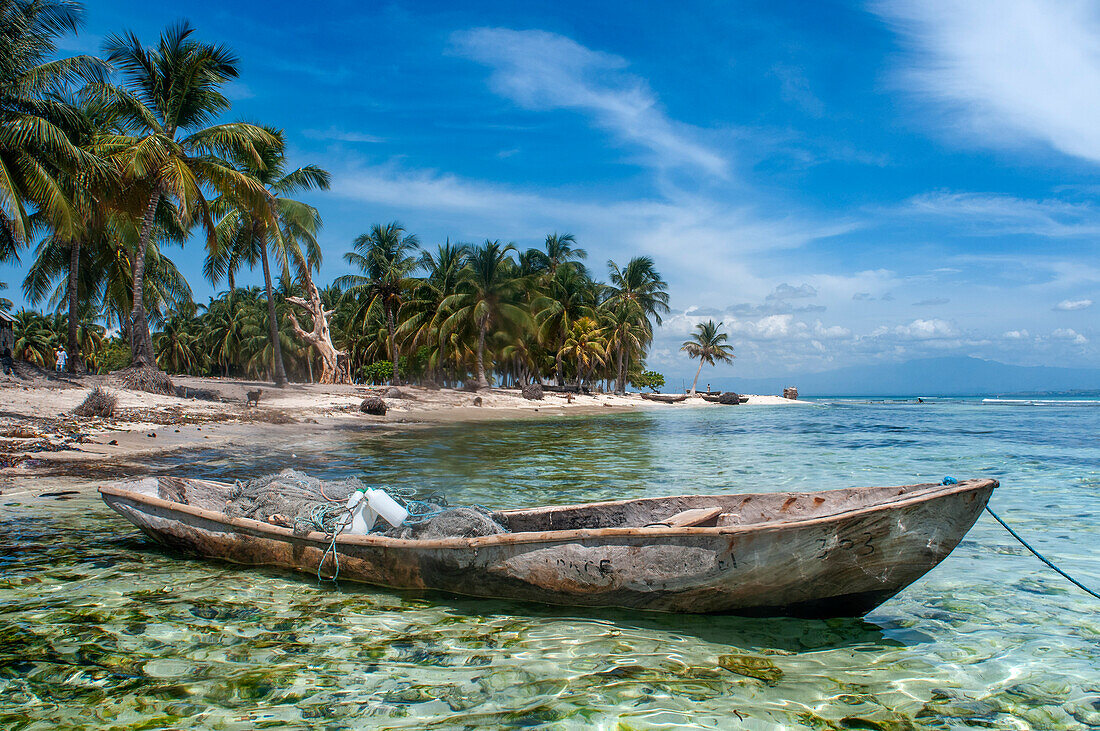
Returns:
(815,554)
(334,363)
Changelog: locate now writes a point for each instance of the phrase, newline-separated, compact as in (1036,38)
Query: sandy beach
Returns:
(39,435)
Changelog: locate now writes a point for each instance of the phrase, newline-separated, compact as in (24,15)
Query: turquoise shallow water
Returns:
(99,628)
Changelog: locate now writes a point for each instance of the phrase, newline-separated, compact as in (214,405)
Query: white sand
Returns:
(147,423)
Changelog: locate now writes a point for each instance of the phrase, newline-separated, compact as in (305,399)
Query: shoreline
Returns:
(39,437)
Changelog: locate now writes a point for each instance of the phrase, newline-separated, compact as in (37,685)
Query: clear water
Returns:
(100,628)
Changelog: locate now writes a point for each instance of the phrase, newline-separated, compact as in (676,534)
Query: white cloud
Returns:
(919,330)
(1066,333)
(543,71)
(1006,69)
(1015,335)
(830,332)
(1071,305)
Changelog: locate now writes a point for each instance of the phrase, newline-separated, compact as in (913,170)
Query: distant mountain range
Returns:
(925,377)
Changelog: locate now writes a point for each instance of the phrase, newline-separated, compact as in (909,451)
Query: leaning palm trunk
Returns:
(696,381)
(141,342)
(75,364)
(272,321)
(334,367)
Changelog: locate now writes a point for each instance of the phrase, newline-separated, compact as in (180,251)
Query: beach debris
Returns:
(100,402)
(144,378)
(395,392)
(373,405)
(532,391)
(252,398)
(477,401)
(790,392)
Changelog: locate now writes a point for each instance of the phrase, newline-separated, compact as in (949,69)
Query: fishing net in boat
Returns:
(296,500)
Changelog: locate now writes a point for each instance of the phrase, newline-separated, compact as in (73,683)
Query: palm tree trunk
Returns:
(141,342)
(390,328)
(272,320)
(620,387)
(558,364)
(482,381)
(696,381)
(75,365)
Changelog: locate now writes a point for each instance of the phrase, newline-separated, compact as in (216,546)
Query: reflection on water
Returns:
(99,627)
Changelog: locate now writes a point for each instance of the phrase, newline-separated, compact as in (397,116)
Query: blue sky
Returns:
(839,183)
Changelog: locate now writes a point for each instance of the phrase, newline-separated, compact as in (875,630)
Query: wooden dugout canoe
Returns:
(811,554)
(664,398)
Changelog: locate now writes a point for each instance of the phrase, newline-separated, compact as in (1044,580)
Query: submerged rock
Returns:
(752,666)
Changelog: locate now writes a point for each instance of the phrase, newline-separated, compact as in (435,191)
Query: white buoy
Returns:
(387,507)
(362,515)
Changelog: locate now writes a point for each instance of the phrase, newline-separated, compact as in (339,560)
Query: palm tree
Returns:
(639,289)
(34,114)
(566,300)
(104,269)
(561,249)
(385,256)
(424,311)
(35,339)
(486,293)
(179,345)
(89,189)
(708,345)
(172,92)
(586,345)
(244,232)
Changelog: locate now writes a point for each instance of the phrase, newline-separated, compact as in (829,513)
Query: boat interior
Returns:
(657,512)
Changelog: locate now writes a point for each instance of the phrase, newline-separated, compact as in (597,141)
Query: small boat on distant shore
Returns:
(809,554)
(717,398)
(665,398)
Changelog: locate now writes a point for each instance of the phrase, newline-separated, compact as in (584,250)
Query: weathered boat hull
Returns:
(809,565)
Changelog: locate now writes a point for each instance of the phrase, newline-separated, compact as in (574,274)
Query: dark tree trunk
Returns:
(273,323)
(141,341)
(75,364)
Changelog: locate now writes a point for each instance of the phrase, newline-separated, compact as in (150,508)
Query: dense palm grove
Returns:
(106,162)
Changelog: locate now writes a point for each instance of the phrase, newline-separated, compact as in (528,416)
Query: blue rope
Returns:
(952,481)
(1040,556)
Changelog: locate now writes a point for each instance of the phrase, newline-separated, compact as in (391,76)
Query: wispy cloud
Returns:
(787,292)
(1006,70)
(543,71)
(987,214)
(1072,305)
(341,135)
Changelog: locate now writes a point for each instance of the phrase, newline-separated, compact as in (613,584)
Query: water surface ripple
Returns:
(99,628)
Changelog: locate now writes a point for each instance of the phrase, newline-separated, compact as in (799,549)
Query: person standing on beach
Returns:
(62,357)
